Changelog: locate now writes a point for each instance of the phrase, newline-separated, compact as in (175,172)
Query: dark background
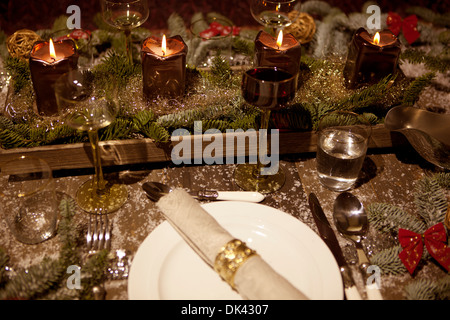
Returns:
(40,14)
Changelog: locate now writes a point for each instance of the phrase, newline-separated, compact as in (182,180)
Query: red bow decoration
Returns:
(435,240)
(408,25)
(216,29)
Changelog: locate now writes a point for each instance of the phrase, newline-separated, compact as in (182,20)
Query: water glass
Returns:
(341,148)
(209,40)
(28,199)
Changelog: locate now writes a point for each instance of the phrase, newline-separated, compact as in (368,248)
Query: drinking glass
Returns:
(85,107)
(267,88)
(274,14)
(125,15)
(28,199)
(341,148)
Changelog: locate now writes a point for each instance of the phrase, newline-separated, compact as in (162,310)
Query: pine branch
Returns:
(433,63)
(426,289)
(388,218)
(119,129)
(367,97)
(443,179)
(388,261)
(20,73)
(429,15)
(430,201)
(155,131)
(94,273)
(416,87)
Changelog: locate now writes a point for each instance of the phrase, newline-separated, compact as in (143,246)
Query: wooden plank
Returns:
(124,152)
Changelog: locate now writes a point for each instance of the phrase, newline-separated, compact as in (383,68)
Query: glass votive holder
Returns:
(28,199)
(210,39)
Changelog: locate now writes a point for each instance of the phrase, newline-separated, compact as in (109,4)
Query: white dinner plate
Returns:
(166,268)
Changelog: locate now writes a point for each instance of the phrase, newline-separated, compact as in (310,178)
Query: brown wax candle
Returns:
(285,55)
(48,61)
(371,57)
(164,67)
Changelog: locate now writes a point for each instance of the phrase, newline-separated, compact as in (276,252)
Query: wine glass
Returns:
(267,88)
(274,14)
(86,107)
(125,15)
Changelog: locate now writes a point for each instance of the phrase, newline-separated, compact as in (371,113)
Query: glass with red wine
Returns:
(267,88)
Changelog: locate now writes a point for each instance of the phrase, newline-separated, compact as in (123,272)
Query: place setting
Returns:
(299,156)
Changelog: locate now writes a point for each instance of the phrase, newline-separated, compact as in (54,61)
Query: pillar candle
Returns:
(46,66)
(269,53)
(164,70)
(371,59)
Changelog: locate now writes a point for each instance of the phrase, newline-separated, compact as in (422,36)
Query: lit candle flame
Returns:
(376,38)
(164,45)
(280,39)
(52,50)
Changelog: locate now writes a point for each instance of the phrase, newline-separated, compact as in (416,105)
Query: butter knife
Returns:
(328,236)
(248,196)
(155,190)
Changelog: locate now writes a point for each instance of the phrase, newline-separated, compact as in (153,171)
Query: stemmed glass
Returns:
(274,14)
(125,15)
(84,106)
(267,88)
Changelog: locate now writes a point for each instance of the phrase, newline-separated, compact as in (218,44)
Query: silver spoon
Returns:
(155,190)
(351,221)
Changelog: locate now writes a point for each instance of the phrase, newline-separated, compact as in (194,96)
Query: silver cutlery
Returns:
(351,221)
(155,190)
(328,236)
(98,236)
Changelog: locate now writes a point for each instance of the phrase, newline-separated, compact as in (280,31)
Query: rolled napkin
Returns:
(241,267)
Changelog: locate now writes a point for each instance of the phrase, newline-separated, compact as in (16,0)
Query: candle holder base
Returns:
(247,178)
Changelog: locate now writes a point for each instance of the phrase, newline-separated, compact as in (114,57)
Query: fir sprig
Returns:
(20,73)
(431,203)
(426,289)
(433,63)
(412,93)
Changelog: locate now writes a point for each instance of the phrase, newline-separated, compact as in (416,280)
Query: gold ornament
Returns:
(21,42)
(303,28)
(231,256)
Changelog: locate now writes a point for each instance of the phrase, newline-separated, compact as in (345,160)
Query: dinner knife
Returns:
(328,236)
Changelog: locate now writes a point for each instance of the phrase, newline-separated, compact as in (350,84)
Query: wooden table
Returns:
(388,176)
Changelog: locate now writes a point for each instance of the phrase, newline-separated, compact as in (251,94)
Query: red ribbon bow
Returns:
(408,25)
(217,29)
(435,240)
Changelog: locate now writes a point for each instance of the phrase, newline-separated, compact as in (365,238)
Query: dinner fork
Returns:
(98,235)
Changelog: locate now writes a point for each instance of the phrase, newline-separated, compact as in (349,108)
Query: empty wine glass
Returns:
(274,14)
(267,88)
(86,107)
(125,15)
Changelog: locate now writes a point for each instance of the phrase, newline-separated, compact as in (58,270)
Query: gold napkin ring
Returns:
(230,258)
